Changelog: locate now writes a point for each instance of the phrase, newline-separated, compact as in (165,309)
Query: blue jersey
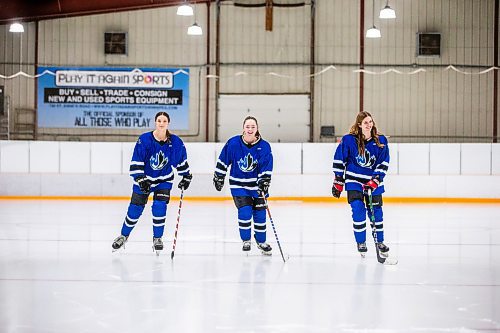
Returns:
(157,160)
(249,163)
(360,169)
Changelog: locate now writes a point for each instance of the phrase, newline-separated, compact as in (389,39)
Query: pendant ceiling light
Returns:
(185,10)
(373,32)
(195,30)
(387,12)
(16,27)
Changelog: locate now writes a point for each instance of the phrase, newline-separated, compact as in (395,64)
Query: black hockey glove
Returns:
(338,186)
(185,181)
(263,184)
(144,184)
(218,182)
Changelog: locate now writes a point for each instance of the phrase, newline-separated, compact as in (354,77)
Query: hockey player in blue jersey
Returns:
(362,159)
(156,155)
(251,162)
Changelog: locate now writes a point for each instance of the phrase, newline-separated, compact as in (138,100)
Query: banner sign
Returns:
(118,98)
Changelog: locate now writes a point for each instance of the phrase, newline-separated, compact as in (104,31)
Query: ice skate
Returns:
(247,245)
(362,249)
(383,249)
(157,245)
(119,242)
(265,248)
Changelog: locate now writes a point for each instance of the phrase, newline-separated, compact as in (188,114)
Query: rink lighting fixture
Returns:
(185,10)
(373,32)
(195,30)
(387,12)
(16,27)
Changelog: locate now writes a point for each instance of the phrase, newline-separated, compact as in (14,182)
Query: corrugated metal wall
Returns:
(249,54)
(17,54)
(438,105)
(156,38)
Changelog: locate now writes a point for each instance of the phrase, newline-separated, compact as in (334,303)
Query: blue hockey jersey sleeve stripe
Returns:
(136,163)
(181,164)
(220,172)
(382,168)
(136,167)
(223,165)
(269,173)
(183,168)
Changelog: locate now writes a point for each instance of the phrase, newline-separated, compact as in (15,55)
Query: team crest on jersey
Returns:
(158,161)
(247,163)
(367,160)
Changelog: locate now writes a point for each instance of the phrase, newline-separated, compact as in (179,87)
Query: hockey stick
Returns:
(274,229)
(382,260)
(177,226)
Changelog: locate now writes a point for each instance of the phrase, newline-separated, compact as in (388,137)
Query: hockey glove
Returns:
(263,184)
(372,184)
(218,182)
(185,181)
(338,186)
(144,184)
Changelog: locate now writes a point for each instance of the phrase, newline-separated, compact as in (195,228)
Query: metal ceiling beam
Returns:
(35,10)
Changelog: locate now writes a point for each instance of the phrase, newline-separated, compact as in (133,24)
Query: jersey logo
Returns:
(158,161)
(247,163)
(366,161)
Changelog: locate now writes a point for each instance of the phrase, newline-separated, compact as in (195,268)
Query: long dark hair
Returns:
(358,133)
(257,134)
(163,113)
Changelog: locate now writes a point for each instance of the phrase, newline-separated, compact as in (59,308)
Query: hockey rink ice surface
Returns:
(57,272)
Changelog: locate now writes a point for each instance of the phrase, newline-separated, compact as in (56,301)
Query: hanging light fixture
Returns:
(373,32)
(387,12)
(195,30)
(16,27)
(185,10)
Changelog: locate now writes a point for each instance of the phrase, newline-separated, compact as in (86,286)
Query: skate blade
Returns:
(118,249)
(384,255)
(266,253)
(363,255)
(157,251)
(391,261)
